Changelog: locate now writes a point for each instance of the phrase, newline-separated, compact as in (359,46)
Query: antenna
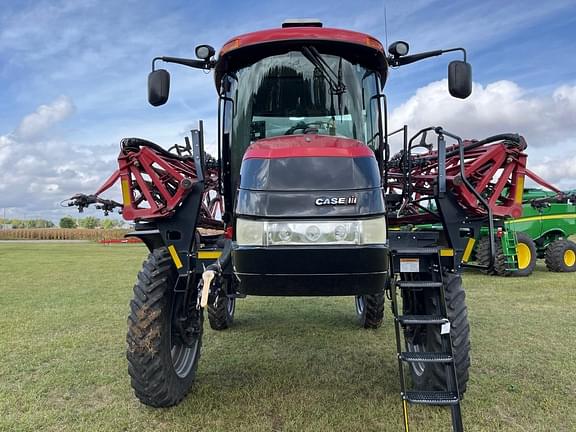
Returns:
(385,25)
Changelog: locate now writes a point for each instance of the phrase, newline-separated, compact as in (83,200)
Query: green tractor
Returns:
(548,220)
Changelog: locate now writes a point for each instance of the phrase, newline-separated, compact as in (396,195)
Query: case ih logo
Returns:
(351,200)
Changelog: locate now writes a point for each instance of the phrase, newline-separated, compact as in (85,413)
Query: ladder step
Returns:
(418,284)
(421,319)
(426,357)
(431,397)
(416,251)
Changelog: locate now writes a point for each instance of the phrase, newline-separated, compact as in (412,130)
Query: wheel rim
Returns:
(417,367)
(183,356)
(569,257)
(360,305)
(524,255)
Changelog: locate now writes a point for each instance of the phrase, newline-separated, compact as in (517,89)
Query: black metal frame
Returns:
(454,219)
(476,223)
(224,169)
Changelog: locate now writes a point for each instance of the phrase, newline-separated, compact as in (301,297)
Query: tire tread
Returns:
(554,257)
(152,376)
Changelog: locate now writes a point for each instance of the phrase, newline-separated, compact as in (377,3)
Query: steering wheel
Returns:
(306,127)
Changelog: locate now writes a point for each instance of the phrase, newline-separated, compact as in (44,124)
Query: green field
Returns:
(289,364)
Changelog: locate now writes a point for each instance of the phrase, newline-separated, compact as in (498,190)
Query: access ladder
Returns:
(417,269)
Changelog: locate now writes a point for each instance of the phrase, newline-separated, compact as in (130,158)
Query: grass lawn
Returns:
(289,364)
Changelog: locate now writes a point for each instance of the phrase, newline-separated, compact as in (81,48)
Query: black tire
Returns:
(161,366)
(370,310)
(432,376)
(483,253)
(221,313)
(561,256)
(526,253)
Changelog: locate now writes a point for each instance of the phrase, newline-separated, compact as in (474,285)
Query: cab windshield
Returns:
(288,94)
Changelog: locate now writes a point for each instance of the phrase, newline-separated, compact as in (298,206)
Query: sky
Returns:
(73,79)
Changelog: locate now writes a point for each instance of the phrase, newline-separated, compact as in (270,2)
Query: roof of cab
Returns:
(248,46)
(301,33)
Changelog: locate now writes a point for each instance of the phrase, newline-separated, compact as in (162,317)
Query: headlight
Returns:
(345,232)
(373,231)
(250,233)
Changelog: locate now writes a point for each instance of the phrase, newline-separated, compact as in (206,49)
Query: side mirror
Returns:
(158,87)
(460,79)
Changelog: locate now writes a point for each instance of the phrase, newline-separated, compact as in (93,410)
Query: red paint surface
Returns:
(124,240)
(299,33)
(308,145)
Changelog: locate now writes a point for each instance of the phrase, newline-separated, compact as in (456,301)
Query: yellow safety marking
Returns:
(209,254)
(175,256)
(447,252)
(126,195)
(534,218)
(468,249)
(519,190)
(405,404)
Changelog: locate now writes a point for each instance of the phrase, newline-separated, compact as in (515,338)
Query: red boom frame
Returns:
(495,170)
(154,183)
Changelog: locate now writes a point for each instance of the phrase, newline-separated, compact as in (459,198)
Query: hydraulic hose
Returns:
(134,144)
(223,260)
(500,137)
(515,138)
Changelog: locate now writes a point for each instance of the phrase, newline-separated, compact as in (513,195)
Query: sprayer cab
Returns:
(301,146)
(302,149)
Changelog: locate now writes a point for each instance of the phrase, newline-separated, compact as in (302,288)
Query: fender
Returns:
(151,238)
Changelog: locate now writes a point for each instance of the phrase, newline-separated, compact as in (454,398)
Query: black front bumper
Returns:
(311,271)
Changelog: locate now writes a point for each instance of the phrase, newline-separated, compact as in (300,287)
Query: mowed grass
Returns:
(289,364)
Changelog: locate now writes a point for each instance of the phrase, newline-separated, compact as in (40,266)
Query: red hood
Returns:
(308,145)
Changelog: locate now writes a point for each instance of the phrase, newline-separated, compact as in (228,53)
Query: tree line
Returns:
(89,222)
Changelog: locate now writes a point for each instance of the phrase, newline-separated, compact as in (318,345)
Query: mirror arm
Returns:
(401,61)
(456,49)
(198,64)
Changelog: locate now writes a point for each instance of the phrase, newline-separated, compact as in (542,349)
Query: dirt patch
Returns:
(144,331)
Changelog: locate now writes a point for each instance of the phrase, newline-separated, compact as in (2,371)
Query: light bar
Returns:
(302,22)
(308,233)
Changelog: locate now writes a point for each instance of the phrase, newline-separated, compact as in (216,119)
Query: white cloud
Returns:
(44,161)
(545,120)
(498,107)
(44,118)
(38,169)
(5,143)
(561,171)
